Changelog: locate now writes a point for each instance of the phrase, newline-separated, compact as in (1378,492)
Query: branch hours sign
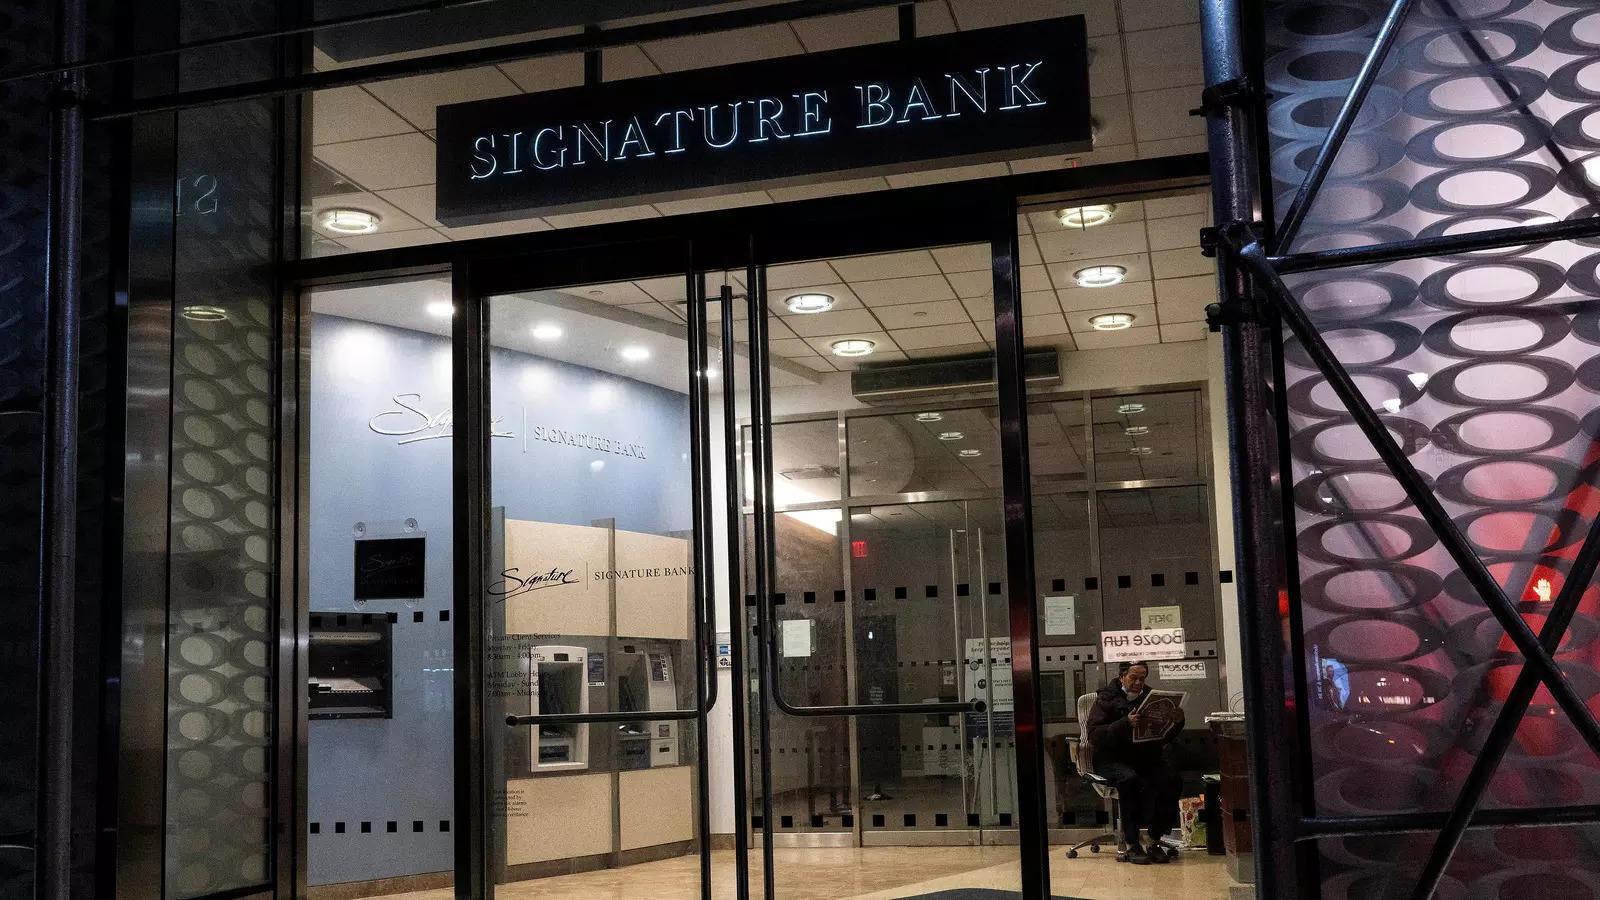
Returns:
(970,97)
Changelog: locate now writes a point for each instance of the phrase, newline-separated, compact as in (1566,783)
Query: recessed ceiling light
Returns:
(951,435)
(1111,322)
(853,347)
(1100,276)
(970,453)
(1086,216)
(343,220)
(1136,430)
(806,304)
(441,309)
(547,331)
(711,373)
(205,313)
(635,353)
(1140,451)
(930,417)
(1130,409)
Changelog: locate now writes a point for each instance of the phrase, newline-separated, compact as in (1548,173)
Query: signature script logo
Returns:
(411,423)
(513,585)
(378,563)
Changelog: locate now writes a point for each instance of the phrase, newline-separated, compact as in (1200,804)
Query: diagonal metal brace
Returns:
(1508,719)
(1267,282)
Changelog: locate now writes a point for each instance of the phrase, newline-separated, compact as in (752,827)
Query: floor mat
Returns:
(978,894)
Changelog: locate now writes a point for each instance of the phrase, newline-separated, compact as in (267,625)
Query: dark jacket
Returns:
(1111,734)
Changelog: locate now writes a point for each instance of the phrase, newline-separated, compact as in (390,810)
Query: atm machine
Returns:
(645,682)
(557,683)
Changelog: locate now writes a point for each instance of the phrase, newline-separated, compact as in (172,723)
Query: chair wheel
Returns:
(1094,848)
(1072,854)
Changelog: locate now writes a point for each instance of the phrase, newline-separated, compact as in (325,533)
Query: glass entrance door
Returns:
(592,620)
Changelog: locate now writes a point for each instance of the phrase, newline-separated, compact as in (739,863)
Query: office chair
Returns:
(1083,758)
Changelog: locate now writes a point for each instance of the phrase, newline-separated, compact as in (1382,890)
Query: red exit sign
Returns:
(858,549)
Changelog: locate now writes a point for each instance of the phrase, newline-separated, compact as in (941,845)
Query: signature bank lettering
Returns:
(950,98)
(511,584)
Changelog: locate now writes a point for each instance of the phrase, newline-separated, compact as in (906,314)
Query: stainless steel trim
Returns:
(943,837)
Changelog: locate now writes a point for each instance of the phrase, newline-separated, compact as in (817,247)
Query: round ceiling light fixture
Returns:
(205,314)
(634,353)
(951,435)
(853,347)
(1086,216)
(547,331)
(1136,430)
(1130,409)
(348,220)
(441,309)
(809,304)
(1141,451)
(1111,322)
(970,453)
(1100,276)
(930,417)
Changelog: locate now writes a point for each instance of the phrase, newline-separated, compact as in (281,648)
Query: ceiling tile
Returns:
(1179,205)
(1128,293)
(545,73)
(1073,244)
(654,311)
(1035,278)
(350,114)
(616,293)
(1175,231)
(495,229)
(1113,123)
(833,322)
(885,265)
(723,48)
(973,284)
(936,336)
(1138,14)
(1183,331)
(889,291)
(971,349)
(1172,147)
(814,362)
(1178,263)
(790,348)
(1164,57)
(964,258)
(1034,303)
(1133,337)
(1142,316)
(1028,251)
(669,289)
(849,30)
(923,315)
(404,160)
(418,97)
(415,201)
(1099,15)
(1158,115)
(390,240)
(1196,289)
(805,274)
(1106,73)
(1044,326)
(1061,341)
(827,189)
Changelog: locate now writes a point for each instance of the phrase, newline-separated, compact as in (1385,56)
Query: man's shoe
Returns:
(1137,855)
(1160,854)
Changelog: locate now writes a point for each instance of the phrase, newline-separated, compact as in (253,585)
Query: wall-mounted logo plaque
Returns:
(970,97)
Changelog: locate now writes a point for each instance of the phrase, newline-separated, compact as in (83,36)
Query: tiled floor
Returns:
(881,873)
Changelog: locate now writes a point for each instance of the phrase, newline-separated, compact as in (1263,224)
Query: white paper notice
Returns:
(1128,646)
(796,636)
(1060,615)
(1181,671)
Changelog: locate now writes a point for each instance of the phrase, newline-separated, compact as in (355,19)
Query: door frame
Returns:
(882,221)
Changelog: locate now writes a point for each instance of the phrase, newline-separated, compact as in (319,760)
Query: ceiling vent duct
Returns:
(919,379)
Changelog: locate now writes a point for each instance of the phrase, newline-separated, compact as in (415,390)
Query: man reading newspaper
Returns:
(1129,742)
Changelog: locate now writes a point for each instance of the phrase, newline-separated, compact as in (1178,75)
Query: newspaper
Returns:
(1158,712)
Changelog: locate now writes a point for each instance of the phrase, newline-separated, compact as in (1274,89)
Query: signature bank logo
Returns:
(411,422)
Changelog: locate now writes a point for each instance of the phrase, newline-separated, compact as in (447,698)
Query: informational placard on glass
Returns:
(1134,646)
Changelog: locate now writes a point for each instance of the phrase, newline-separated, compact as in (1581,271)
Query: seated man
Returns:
(1146,783)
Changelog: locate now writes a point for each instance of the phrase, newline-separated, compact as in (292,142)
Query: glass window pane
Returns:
(1143,436)
(932,450)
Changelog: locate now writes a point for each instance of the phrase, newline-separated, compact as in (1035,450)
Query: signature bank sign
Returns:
(969,97)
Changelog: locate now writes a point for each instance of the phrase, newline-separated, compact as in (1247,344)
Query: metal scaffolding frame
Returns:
(1256,306)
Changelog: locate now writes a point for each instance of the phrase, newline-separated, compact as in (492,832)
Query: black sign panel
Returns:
(974,96)
(391,568)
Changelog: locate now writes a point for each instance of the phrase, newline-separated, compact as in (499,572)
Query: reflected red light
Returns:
(858,549)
